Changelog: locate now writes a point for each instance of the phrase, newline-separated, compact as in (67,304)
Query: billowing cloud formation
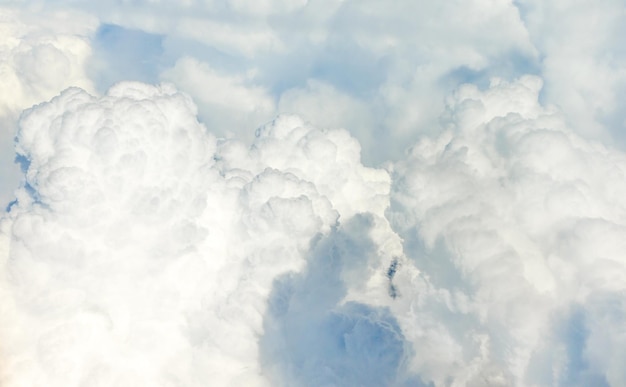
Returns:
(583,62)
(40,56)
(153,242)
(141,249)
(518,224)
(381,72)
(392,60)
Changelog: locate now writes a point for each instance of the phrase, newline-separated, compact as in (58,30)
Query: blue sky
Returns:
(233,179)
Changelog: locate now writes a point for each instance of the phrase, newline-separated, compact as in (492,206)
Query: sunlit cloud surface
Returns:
(312,193)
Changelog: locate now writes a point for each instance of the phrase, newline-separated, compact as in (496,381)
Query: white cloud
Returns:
(267,7)
(397,60)
(41,55)
(230,105)
(325,106)
(137,231)
(238,40)
(146,248)
(143,250)
(514,219)
(583,61)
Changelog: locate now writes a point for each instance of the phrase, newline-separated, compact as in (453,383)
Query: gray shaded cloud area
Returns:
(313,339)
(293,193)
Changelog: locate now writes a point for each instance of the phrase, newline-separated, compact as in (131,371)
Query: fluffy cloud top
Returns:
(39,56)
(143,250)
(135,231)
(153,241)
(518,224)
(382,72)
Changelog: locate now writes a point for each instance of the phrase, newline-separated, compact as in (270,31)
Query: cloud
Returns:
(585,78)
(136,230)
(398,61)
(331,108)
(491,253)
(232,105)
(392,61)
(142,249)
(311,338)
(247,240)
(513,219)
(42,54)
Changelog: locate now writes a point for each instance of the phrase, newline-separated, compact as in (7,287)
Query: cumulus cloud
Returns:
(583,62)
(517,223)
(143,249)
(154,241)
(41,55)
(393,61)
(398,61)
(136,230)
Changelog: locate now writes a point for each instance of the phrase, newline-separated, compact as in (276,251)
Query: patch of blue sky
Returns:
(510,66)
(575,335)
(121,54)
(351,69)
